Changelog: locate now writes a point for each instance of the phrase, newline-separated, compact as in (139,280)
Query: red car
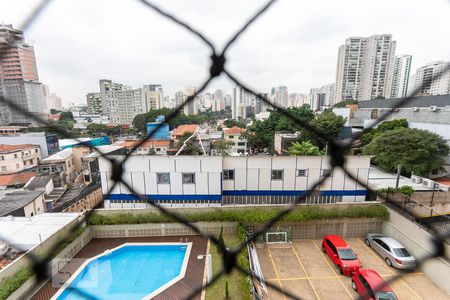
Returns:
(341,254)
(370,286)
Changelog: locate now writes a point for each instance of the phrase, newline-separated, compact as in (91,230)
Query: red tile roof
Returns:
(148,143)
(16,179)
(443,180)
(182,129)
(9,148)
(234,130)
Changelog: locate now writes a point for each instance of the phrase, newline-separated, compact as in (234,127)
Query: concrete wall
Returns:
(37,206)
(418,241)
(163,229)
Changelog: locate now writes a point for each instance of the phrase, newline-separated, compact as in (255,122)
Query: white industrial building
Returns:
(206,180)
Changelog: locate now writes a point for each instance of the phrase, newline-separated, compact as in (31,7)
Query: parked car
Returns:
(341,254)
(393,253)
(369,285)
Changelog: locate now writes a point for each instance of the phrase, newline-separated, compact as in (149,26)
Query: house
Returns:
(16,158)
(239,144)
(182,129)
(283,141)
(60,165)
(22,204)
(16,179)
(158,147)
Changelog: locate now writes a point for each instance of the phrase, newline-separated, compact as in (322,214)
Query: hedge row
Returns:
(247,216)
(10,284)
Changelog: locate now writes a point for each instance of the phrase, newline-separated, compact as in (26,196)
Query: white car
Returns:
(393,253)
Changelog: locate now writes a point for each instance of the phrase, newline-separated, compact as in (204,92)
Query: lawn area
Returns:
(235,279)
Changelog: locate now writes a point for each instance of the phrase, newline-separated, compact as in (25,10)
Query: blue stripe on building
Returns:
(131,197)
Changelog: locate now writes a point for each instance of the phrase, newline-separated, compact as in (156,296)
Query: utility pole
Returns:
(399,170)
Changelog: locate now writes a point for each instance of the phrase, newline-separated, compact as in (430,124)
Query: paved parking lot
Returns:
(302,269)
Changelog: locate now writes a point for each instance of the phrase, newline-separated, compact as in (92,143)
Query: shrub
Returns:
(246,216)
(10,284)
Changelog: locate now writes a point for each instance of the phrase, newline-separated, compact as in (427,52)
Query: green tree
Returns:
(369,135)
(191,148)
(222,145)
(231,123)
(328,124)
(304,148)
(418,151)
(345,102)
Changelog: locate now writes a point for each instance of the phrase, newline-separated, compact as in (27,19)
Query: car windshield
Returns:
(386,296)
(346,254)
(401,252)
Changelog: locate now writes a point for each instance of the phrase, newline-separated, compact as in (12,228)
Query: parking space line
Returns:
(371,251)
(303,278)
(276,272)
(332,269)
(304,270)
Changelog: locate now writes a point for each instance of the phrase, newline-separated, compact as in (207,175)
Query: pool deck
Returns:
(180,290)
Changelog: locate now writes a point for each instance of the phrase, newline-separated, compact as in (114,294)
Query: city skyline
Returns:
(300,53)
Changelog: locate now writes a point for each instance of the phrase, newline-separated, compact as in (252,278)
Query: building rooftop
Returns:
(24,233)
(70,142)
(182,129)
(15,200)
(105,149)
(147,143)
(422,101)
(234,130)
(61,155)
(8,148)
(38,182)
(379,179)
(16,179)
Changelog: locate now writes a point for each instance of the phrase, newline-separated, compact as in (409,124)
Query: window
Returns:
(163,178)
(2,157)
(228,174)
(277,174)
(158,149)
(241,143)
(326,172)
(15,155)
(331,246)
(3,169)
(188,178)
(36,150)
(302,172)
(231,136)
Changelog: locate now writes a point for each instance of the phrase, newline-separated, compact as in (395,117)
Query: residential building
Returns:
(122,102)
(11,130)
(157,147)
(60,165)
(182,129)
(281,96)
(22,204)
(52,101)
(16,158)
(94,103)
(16,180)
(400,78)
(241,99)
(239,144)
(217,180)
(365,68)
(19,81)
(48,142)
(41,184)
(218,101)
(190,108)
(179,99)
(323,96)
(428,79)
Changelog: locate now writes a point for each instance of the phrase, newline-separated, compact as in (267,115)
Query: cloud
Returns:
(294,44)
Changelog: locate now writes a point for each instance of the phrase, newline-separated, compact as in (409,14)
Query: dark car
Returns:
(341,254)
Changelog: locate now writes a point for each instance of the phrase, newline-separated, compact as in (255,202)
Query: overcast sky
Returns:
(294,44)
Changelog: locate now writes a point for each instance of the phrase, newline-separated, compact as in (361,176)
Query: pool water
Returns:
(130,272)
